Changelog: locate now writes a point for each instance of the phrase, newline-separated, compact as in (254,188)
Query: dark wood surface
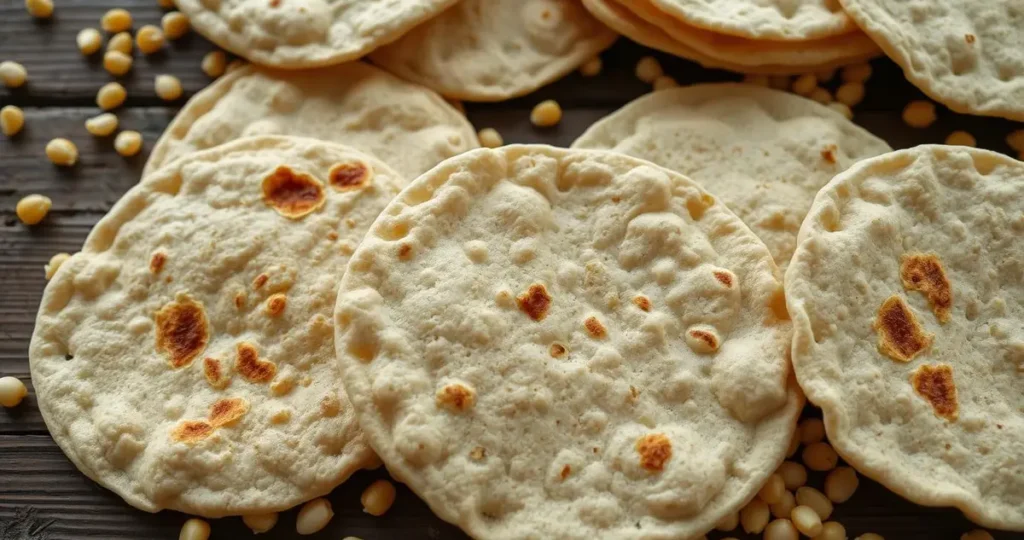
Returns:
(42,495)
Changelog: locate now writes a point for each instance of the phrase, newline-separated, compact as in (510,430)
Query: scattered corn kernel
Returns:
(128,143)
(785,506)
(378,497)
(779,82)
(116,20)
(805,84)
(831,530)
(12,391)
(102,125)
(13,74)
(168,87)
(773,489)
(873,536)
(976,534)
(12,119)
(1015,140)
(665,82)
(820,457)
(850,94)
(62,152)
(149,39)
(121,42)
(858,73)
(808,496)
(89,41)
(117,63)
(757,80)
(794,444)
(591,67)
(648,69)
(166,4)
(825,75)
(33,208)
(821,96)
(195,529)
(175,24)
(961,138)
(235,64)
(260,523)
(40,9)
(314,516)
(781,529)
(111,96)
(214,63)
(793,474)
(842,109)
(755,516)
(55,263)
(812,430)
(806,520)
(840,484)
(490,138)
(546,114)
(728,522)
(919,114)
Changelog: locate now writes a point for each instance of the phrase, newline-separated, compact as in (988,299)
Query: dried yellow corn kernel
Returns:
(859,73)
(665,82)
(12,391)
(40,9)
(121,42)
(919,114)
(591,67)
(111,96)
(195,529)
(490,138)
(648,69)
(149,39)
(378,498)
(55,263)
(546,114)
(128,143)
(13,74)
(805,84)
(116,20)
(961,138)
(33,208)
(850,94)
(12,119)
(314,516)
(89,41)
(62,152)
(175,24)
(117,63)
(102,125)
(214,63)
(260,523)
(168,87)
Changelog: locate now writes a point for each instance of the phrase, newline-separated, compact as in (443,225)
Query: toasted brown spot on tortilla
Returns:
(829,153)
(535,301)
(157,261)
(557,350)
(705,336)
(239,300)
(456,397)
(654,449)
(181,331)
(642,302)
(282,385)
(227,411)
(291,194)
(899,335)
(330,405)
(595,328)
(192,431)
(404,251)
(275,3)
(924,272)
(332,236)
(935,384)
(725,278)
(260,281)
(215,373)
(347,176)
(478,453)
(566,471)
(969,38)
(276,304)
(249,365)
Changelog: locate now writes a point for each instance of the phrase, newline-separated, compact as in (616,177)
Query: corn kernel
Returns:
(117,63)
(214,63)
(842,109)
(831,530)
(314,516)
(195,529)
(648,69)
(13,74)
(808,496)
(793,474)
(728,522)
(166,4)
(55,263)
(546,114)
(89,41)
(821,96)
(781,529)
(976,534)
(773,489)
(175,24)
(785,506)
(919,114)
(850,94)
(805,84)
(812,430)
(806,520)
(757,80)
(260,523)
(825,75)
(12,119)
(858,73)
(490,138)
(1015,140)
(62,152)
(121,42)
(665,82)
(591,67)
(820,457)
(33,208)
(102,125)
(378,497)
(168,87)
(40,9)
(12,391)
(149,39)
(840,484)
(128,143)
(111,96)
(755,516)
(961,138)
(873,536)
(116,20)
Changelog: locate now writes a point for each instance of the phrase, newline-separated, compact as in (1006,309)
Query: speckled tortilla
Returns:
(551,343)
(784,20)
(294,34)
(184,358)
(491,50)
(408,126)
(924,398)
(966,54)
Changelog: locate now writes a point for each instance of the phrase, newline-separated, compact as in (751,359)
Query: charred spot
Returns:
(595,328)
(330,405)
(705,336)
(642,302)
(616,199)
(192,431)
(633,394)
(557,350)
(227,411)
(214,373)
(181,331)
(478,453)
(275,3)
(276,304)
(239,300)
(291,194)
(157,261)
(969,38)
(535,302)
(899,335)
(654,449)
(249,365)
(456,397)
(924,273)
(829,153)
(725,278)
(332,236)
(565,472)
(347,176)
(404,252)
(935,384)
(260,281)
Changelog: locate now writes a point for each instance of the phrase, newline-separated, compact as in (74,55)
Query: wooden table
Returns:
(42,495)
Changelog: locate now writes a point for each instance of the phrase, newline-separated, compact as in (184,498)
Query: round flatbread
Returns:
(294,34)
(784,20)
(552,343)
(764,153)
(847,48)
(184,358)
(907,296)
(408,126)
(965,54)
(492,50)
(625,22)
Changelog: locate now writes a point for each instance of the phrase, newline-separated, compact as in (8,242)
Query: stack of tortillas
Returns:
(751,36)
